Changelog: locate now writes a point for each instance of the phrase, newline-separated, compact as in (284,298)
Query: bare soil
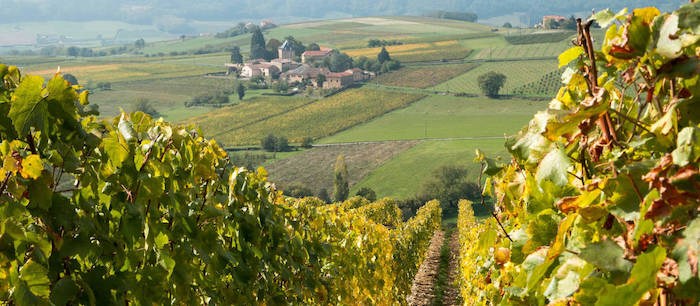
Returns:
(422,290)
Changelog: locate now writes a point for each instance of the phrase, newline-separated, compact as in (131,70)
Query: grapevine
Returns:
(600,196)
(135,210)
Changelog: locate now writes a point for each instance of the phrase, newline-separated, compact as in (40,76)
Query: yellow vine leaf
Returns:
(32,166)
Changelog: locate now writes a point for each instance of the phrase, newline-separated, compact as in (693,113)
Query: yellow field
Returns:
(319,119)
(122,72)
(418,52)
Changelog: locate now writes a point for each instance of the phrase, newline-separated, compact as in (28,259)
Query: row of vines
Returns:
(598,203)
(139,211)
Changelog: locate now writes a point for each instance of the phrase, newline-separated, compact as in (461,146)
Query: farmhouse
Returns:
(338,80)
(303,73)
(257,68)
(310,56)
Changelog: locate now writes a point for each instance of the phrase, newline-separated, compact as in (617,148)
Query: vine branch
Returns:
(483,203)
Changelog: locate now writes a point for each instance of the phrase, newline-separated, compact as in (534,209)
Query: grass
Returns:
(423,77)
(166,95)
(445,117)
(518,73)
(403,175)
(319,119)
(314,168)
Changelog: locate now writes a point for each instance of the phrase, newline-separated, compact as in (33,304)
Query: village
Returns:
(307,73)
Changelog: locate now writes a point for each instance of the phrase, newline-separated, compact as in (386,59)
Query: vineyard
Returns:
(543,50)
(519,73)
(155,214)
(599,202)
(538,38)
(547,86)
(318,119)
(223,121)
(423,77)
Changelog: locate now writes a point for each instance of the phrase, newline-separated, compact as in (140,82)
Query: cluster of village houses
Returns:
(284,68)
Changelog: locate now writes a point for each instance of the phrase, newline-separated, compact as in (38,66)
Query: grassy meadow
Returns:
(445,117)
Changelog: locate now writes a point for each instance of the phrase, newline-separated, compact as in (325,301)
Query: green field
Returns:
(517,74)
(445,117)
(166,95)
(403,175)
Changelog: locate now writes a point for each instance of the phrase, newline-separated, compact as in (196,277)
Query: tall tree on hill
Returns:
(140,43)
(491,82)
(271,49)
(383,56)
(257,44)
(240,90)
(341,187)
(340,62)
(236,56)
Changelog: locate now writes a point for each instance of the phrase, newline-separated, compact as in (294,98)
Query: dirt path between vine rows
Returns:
(451,294)
(422,292)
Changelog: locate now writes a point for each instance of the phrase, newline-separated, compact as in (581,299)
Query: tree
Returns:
(323,195)
(298,191)
(491,82)
(257,44)
(280,87)
(340,186)
(313,47)
(144,105)
(307,142)
(71,79)
(240,90)
(449,184)
(507,25)
(271,49)
(367,193)
(296,45)
(340,62)
(282,144)
(269,143)
(320,79)
(140,43)
(73,51)
(383,56)
(236,56)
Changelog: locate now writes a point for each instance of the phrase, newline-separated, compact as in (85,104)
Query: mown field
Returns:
(423,77)
(445,117)
(319,119)
(403,175)
(167,96)
(314,168)
(517,74)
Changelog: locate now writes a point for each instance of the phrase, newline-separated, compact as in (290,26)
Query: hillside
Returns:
(434,98)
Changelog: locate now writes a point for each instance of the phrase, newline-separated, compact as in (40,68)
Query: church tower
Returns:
(286,51)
